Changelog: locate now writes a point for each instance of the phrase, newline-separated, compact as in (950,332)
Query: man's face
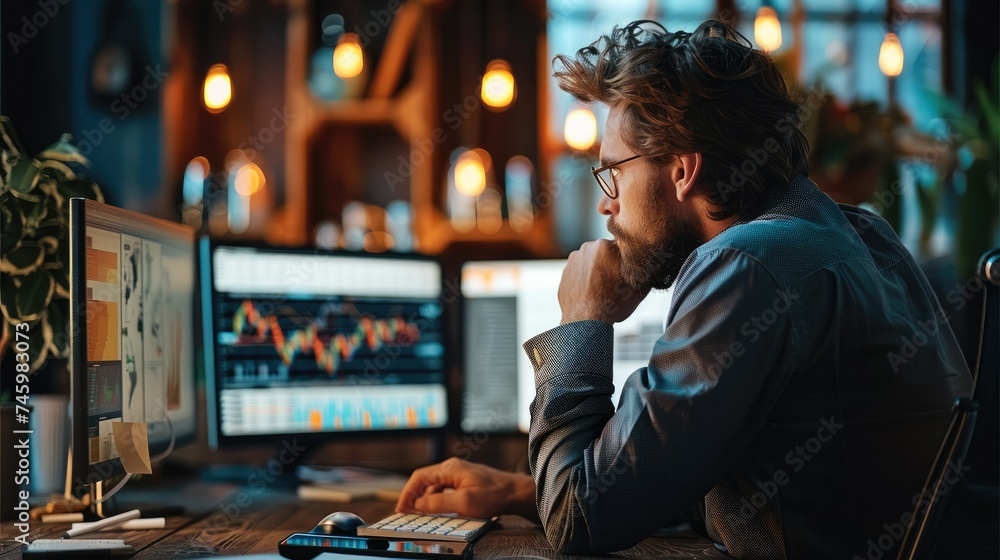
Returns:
(654,232)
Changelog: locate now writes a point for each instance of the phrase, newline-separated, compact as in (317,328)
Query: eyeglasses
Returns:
(602,174)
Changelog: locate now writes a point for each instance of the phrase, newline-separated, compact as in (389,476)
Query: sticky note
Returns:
(132,444)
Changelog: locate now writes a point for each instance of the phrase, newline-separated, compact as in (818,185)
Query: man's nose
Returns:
(607,206)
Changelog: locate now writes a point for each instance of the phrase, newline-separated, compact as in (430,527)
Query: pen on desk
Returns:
(131,525)
(62,517)
(108,522)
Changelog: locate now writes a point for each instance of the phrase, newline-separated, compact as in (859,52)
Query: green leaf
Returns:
(8,297)
(6,161)
(22,260)
(892,212)
(12,230)
(954,114)
(57,170)
(34,215)
(57,316)
(990,111)
(60,277)
(23,176)
(38,350)
(5,339)
(976,217)
(51,228)
(927,198)
(50,244)
(64,150)
(34,294)
(62,254)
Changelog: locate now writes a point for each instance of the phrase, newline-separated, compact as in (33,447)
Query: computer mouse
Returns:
(340,523)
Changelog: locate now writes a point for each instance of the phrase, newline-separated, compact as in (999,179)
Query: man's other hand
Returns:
(469,490)
(592,288)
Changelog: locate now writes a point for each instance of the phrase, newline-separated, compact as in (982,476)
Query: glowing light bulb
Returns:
(218,89)
(348,57)
(470,175)
(767,29)
(580,129)
(249,179)
(890,56)
(194,180)
(498,88)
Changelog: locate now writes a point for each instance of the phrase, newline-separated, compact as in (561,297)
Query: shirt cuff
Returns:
(578,347)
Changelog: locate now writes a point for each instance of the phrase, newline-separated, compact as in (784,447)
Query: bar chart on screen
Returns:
(335,408)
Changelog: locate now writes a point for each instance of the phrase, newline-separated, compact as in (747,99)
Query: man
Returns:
(806,374)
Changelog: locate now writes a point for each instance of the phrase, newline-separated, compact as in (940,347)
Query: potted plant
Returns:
(34,252)
(979,164)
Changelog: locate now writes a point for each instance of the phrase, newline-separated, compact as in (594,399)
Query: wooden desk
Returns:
(229,521)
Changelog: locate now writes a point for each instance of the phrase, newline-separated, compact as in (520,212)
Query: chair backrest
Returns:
(918,541)
(972,517)
(938,492)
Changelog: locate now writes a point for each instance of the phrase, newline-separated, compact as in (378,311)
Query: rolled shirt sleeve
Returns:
(606,478)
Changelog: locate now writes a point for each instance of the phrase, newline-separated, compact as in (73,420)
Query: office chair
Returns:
(937,501)
(918,541)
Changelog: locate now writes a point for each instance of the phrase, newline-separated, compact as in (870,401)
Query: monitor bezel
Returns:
(216,439)
(84,473)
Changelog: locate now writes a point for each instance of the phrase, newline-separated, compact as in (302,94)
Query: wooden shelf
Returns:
(413,39)
(375,111)
(443,234)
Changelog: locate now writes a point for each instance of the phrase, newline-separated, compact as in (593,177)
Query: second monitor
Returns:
(133,350)
(506,303)
(306,342)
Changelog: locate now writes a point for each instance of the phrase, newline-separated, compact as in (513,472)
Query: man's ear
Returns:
(684,173)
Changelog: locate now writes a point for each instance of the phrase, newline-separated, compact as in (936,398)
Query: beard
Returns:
(652,256)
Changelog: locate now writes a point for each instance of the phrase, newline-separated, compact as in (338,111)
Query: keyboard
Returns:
(427,527)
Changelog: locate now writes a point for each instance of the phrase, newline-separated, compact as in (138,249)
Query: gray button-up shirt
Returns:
(797,397)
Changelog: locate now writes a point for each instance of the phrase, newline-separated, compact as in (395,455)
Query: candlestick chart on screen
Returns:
(320,340)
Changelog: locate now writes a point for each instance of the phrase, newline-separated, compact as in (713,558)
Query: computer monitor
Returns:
(132,316)
(304,342)
(504,304)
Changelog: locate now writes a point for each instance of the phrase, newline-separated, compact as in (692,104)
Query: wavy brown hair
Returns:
(707,91)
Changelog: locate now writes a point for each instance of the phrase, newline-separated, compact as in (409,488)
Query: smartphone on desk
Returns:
(305,546)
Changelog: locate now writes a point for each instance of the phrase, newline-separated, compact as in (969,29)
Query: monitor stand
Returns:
(101,510)
(92,509)
(279,470)
(283,468)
